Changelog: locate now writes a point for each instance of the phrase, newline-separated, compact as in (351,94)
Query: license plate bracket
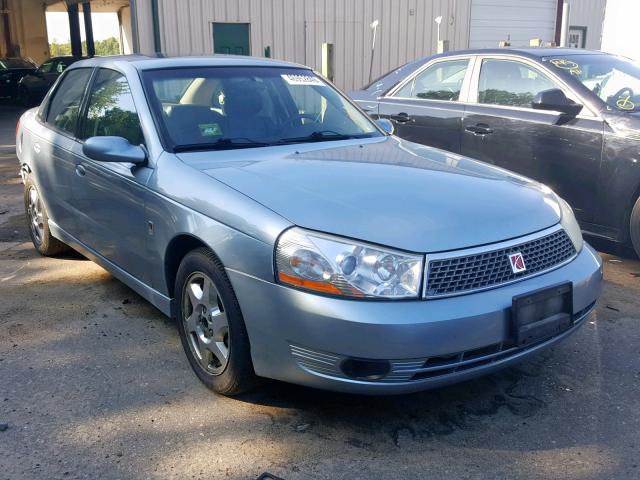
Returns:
(542,314)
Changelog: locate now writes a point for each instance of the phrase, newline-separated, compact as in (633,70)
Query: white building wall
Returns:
(296,29)
(518,21)
(589,14)
(617,38)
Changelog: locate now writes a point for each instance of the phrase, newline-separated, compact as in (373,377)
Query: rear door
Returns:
(428,107)
(501,128)
(110,197)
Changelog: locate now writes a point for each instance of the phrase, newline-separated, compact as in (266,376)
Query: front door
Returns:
(53,147)
(110,197)
(231,38)
(503,129)
(427,109)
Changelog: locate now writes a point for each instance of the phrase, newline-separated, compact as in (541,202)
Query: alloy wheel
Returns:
(36,218)
(205,323)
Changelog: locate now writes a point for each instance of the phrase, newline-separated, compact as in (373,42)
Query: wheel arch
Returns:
(176,250)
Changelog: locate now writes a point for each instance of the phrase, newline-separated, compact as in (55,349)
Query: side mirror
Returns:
(113,149)
(386,125)
(555,99)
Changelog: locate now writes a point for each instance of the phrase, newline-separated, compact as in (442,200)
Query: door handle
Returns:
(80,170)
(479,129)
(36,147)
(402,117)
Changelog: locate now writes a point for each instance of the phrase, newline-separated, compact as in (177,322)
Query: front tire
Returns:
(211,326)
(634,227)
(38,220)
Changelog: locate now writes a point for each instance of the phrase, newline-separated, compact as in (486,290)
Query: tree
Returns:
(108,46)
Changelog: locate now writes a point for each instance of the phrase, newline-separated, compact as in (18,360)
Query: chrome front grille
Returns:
(455,273)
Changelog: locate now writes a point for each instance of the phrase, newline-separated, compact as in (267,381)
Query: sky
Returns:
(105,25)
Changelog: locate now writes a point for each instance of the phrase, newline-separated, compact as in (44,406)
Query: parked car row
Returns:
(22,80)
(568,118)
(291,236)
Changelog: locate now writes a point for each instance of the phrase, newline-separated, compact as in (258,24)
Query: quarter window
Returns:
(111,111)
(506,82)
(65,105)
(441,81)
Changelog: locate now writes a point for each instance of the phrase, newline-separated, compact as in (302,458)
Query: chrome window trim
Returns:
(464,88)
(473,92)
(486,249)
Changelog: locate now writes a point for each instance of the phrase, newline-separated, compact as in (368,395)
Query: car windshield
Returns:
(242,107)
(614,79)
(9,63)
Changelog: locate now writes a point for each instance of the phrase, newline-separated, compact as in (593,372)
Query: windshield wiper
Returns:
(222,144)
(322,136)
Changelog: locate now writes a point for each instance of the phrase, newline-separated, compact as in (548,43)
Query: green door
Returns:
(231,38)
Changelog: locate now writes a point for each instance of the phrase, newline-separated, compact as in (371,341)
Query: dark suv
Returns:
(568,118)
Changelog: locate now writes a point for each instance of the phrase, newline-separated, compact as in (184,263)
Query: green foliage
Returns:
(108,46)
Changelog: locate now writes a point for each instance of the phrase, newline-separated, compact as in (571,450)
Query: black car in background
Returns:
(11,71)
(34,85)
(568,118)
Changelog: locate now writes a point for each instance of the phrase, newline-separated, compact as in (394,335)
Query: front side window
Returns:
(441,81)
(615,80)
(242,107)
(46,67)
(64,107)
(510,83)
(111,111)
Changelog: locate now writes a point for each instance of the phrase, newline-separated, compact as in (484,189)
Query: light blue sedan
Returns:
(289,235)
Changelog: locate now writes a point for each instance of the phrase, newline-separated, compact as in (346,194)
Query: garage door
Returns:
(519,20)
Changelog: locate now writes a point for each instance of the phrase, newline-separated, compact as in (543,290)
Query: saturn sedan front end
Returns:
(401,322)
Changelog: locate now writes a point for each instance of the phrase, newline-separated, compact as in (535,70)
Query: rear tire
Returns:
(634,227)
(38,221)
(212,330)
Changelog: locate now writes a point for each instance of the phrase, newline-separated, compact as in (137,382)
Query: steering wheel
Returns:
(300,116)
(623,90)
(622,97)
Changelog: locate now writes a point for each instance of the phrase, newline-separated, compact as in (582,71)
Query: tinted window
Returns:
(506,82)
(110,111)
(441,81)
(65,104)
(46,67)
(7,63)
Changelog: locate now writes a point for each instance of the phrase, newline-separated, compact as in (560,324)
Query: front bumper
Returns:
(303,338)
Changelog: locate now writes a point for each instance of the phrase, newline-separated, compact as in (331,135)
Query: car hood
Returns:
(386,191)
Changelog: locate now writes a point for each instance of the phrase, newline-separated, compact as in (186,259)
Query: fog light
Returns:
(360,369)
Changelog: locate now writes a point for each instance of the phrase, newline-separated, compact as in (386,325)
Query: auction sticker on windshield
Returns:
(292,79)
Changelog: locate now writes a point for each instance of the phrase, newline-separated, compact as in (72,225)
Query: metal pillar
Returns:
(88,29)
(74,30)
(6,26)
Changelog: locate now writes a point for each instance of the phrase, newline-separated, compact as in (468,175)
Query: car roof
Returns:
(531,52)
(160,61)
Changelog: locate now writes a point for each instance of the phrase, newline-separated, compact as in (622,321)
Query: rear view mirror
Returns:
(113,149)
(386,125)
(555,100)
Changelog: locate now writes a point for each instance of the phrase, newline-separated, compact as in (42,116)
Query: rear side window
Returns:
(65,105)
(440,81)
(507,82)
(111,111)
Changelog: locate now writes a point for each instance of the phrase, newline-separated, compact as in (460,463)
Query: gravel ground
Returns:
(94,384)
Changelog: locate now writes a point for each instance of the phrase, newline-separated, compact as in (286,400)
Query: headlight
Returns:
(570,224)
(338,266)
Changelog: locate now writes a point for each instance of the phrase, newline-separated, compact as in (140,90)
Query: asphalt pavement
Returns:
(94,385)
